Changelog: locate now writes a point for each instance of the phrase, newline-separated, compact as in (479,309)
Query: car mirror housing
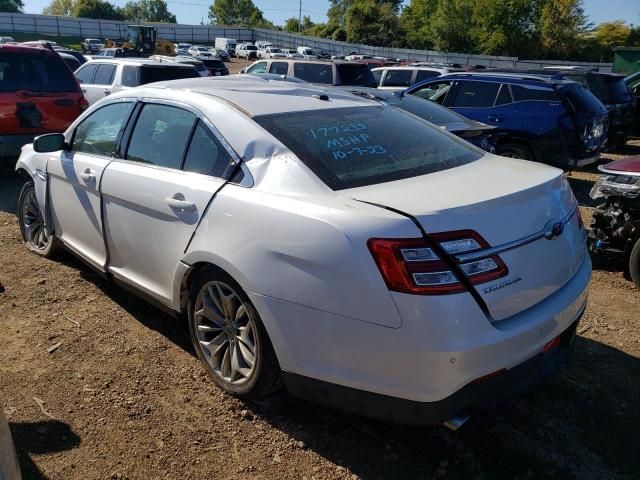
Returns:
(51,142)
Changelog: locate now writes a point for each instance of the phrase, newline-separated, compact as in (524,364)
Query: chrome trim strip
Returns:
(505,247)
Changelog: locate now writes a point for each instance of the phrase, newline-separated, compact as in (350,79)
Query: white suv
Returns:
(363,256)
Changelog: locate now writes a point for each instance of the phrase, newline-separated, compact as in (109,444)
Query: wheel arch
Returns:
(518,139)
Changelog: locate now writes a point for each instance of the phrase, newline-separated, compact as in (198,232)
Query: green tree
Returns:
(612,34)
(148,11)
(60,7)
(415,21)
(11,6)
(560,24)
(372,23)
(634,37)
(292,25)
(505,27)
(452,26)
(237,12)
(97,9)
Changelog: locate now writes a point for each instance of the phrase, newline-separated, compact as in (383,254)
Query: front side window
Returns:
(105,74)
(206,155)
(314,72)
(130,76)
(397,78)
(279,68)
(353,147)
(97,134)
(469,94)
(161,135)
(258,67)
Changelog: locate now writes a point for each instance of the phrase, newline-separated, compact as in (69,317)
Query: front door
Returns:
(155,197)
(74,181)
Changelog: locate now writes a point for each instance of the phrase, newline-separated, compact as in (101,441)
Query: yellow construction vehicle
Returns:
(142,41)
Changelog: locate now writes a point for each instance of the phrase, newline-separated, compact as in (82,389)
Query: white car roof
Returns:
(408,67)
(256,96)
(126,60)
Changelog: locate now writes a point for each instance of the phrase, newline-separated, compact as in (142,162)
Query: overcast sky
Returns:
(193,11)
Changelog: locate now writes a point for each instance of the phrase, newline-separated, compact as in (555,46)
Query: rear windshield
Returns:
(314,72)
(609,89)
(582,100)
(353,147)
(356,75)
(35,72)
(160,74)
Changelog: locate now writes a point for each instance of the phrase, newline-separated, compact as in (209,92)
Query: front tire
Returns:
(634,264)
(514,150)
(35,235)
(229,337)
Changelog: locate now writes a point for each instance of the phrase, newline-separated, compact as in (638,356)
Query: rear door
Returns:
(39,93)
(101,84)
(485,101)
(155,197)
(74,180)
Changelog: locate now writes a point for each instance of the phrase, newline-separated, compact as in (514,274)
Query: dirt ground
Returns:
(96,384)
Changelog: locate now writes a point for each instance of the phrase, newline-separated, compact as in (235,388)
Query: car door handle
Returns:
(87,175)
(495,118)
(177,203)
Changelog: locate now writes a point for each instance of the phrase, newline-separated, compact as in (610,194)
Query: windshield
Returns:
(582,100)
(35,73)
(609,90)
(92,40)
(275,50)
(356,75)
(251,47)
(354,147)
(425,109)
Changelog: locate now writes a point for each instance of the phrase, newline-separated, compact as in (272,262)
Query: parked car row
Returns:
(394,243)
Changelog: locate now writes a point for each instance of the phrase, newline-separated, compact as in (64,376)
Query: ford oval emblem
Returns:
(553,229)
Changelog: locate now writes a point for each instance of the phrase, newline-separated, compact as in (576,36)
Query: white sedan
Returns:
(360,255)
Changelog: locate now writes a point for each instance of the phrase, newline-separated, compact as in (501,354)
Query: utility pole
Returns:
(300,17)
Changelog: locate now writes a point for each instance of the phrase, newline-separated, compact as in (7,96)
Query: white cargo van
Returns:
(228,44)
(307,53)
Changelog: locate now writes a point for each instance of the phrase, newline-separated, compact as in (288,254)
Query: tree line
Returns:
(554,29)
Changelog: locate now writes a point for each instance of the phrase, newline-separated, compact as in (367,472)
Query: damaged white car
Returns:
(356,253)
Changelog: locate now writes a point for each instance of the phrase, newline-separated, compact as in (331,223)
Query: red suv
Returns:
(38,94)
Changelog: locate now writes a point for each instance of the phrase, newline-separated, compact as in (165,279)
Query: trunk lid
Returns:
(503,200)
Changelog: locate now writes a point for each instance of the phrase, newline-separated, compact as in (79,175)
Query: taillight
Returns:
(412,265)
(83,104)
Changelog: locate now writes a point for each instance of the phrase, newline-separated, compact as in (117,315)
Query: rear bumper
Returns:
(10,146)
(478,394)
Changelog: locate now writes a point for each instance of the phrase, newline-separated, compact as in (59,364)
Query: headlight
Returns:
(621,185)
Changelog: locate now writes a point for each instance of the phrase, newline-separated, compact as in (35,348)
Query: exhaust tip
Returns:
(455,422)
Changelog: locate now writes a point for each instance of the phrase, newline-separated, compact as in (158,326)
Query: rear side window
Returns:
(85,74)
(279,68)
(474,94)
(425,75)
(582,100)
(160,74)
(206,155)
(161,135)
(35,72)
(377,75)
(104,74)
(355,75)
(531,92)
(130,76)
(504,96)
(397,78)
(353,147)
(97,133)
(314,72)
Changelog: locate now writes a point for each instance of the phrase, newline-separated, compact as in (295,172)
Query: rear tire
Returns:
(515,150)
(634,264)
(35,236)
(229,337)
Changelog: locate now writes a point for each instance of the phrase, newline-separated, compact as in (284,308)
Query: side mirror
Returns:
(51,142)
(243,70)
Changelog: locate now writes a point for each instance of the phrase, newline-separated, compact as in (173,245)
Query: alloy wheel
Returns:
(33,222)
(226,333)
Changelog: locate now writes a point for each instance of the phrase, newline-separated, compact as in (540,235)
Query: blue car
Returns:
(553,121)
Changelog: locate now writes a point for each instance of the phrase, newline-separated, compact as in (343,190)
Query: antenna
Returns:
(300,17)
